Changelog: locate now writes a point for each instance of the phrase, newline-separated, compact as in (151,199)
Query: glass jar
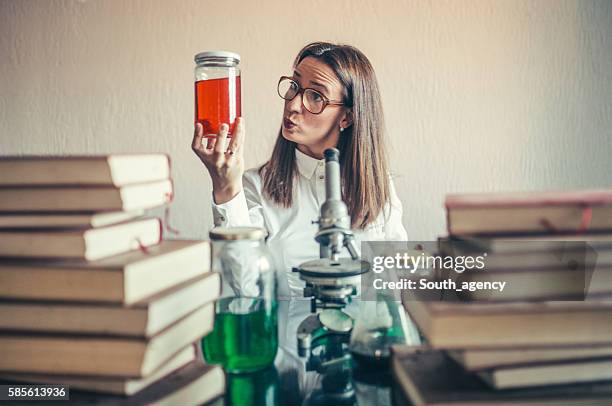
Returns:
(381,323)
(257,388)
(217,90)
(245,335)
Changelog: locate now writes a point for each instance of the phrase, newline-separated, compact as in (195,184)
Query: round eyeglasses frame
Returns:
(326,101)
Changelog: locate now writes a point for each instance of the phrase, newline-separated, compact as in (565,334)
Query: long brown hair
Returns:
(363,160)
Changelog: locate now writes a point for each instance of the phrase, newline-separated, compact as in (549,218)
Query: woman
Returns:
(331,100)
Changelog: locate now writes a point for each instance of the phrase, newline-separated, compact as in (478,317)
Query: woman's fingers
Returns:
(238,138)
(211,149)
(221,139)
(198,133)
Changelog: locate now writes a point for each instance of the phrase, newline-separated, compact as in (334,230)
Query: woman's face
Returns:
(315,132)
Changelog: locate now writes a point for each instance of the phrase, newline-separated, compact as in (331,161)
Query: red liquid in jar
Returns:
(217,102)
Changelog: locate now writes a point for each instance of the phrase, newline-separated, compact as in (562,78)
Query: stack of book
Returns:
(91,296)
(547,338)
(551,245)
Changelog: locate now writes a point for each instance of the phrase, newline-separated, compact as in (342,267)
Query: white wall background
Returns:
(478,95)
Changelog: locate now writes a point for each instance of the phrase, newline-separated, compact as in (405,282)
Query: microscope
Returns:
(330,280)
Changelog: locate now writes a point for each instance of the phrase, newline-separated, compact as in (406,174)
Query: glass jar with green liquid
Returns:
(245,335)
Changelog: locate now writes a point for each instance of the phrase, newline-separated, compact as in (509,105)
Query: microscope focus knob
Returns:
(308,291)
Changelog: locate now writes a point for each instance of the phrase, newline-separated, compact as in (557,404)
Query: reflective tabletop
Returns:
(328,375)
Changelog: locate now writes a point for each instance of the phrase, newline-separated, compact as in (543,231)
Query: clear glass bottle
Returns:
(217,90)
(245,335)
(381,323)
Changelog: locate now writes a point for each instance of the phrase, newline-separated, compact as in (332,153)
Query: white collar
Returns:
(306,164)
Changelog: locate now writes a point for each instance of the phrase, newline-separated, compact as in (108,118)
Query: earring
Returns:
(341,128)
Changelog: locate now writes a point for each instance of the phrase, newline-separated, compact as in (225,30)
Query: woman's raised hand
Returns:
(224,166)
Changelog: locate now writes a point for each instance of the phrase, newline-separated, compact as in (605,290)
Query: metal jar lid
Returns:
(217,56)
(237,233)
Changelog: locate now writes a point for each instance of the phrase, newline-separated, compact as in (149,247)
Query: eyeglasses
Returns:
(312,100)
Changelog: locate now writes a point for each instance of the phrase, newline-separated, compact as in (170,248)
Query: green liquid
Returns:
(254,389)
(245,336)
